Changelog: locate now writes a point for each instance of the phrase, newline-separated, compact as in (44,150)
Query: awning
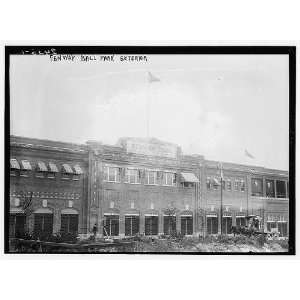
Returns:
(216,181)
(211,216)
(16,210)
(42,166)
(69,211)
(78,170)
(14,164)
(26,165)
(43,211)
(189,177)
(67,169)
(53,167)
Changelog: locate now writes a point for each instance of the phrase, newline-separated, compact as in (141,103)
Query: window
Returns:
(132,224)
(43,224)
(282,228)
(151,225)
(223,184)
(187,225)
(111,225)
(25,168)
(208,183)
(69,223)
(280,189)
(169,225)
(256,187)
(52,170)
(229,187)
(243,186)
(112,174)
(14,164)
(41,169)
(169,179)
(215,183)
(226,225)
(236,185)
(240,221)
(212,224)
(151,177)
(132,176)
(16,225)
(270,188)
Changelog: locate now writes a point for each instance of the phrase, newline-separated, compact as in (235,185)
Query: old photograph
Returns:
(161,150)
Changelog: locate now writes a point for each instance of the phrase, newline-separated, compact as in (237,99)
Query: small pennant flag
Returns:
(248,154)
(152,78)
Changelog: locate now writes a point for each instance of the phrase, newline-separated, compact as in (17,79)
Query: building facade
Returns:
(139,186)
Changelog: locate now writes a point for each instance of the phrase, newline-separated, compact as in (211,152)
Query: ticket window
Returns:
(43,224)
(240,221)
(132,224)
(282,228)
(212,225)
(151,225)
(187,225)
(226,225)
(69,223)
(16,225)
(169,225)
(111,225)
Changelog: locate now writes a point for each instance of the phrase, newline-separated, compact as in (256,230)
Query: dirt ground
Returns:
(212,244)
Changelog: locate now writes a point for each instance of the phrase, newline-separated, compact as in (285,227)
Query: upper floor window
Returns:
(151,177)
(216,183)
(270,188)
(280,189)
(256,187)
(208,183)
(243,186)
(229,186)
(67,171)
(236,185)
(25,167)
(169,179)
(112,174)
(52,170)
(132,176)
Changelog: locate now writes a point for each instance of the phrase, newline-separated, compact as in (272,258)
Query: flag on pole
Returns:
(152,78)
(248,154)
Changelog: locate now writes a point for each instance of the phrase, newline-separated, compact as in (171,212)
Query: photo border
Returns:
(163,50)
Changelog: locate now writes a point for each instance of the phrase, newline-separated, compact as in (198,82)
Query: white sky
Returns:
(214,105)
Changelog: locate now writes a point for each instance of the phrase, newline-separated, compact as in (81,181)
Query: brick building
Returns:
(137,186)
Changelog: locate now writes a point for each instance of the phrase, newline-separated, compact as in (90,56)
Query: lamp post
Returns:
(221,204)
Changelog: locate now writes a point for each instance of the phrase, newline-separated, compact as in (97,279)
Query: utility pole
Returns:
(221,208)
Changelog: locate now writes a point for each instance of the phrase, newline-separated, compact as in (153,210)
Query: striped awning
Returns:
(189,177)
(69,211)
(42,166)
(53,167)
(67,169)
(14,164)
(26,165)
(78,170)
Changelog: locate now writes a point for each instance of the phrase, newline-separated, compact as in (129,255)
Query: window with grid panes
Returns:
(212,225)
(69,223)
(187,225)
(151,225)
(132,224)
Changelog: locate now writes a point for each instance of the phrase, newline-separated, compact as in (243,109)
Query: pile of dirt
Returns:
(224,244)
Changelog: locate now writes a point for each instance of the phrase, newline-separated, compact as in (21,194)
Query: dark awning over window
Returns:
(53,167)
(67,169)
(189,177)
(14,164)
(78,170)
(26,165)
(42,166)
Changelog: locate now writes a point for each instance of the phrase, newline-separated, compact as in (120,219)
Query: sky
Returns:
(214,105)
